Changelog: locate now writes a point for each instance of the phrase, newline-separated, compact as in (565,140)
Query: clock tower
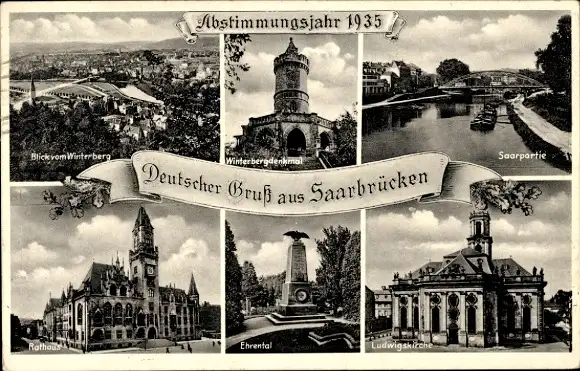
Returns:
(144,263)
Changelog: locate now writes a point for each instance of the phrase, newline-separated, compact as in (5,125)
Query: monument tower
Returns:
(291,69)
(296,305)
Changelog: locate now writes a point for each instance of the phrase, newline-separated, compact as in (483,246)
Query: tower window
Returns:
(478,230)
(151,293)
(135,270)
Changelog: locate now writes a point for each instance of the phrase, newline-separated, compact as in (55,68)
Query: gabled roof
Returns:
(94,275)
(511,267)
(434,265)
(462,263)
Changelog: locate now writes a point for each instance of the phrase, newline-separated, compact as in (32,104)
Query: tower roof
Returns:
(291,47)
(192,287)
(142,219)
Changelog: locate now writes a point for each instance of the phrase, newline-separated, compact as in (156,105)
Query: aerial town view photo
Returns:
(472,85)
(87,88)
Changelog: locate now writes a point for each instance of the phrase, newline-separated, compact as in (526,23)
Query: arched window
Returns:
(79,314)
(97,318)
(123,291)
(477,228)
(151,293)
(128,314)
(140,319)
(118,314)
(403,317)
(113,290)
(471,320)
(416,318)
(527,314)
(108,313)
(98,335)
(435,319)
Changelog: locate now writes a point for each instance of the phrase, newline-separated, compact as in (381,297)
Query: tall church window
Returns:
(118,314)
(151,293)
(416,318)
(435,327)
(123,291)
(79,314)
(527,325)
(113,290)
(471,320)
(403,317)
(108,312)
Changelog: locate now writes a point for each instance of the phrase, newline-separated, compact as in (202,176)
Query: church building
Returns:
(292,130)
(470,298)
(117,307)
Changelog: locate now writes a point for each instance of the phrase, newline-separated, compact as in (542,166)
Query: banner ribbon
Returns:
(150,176)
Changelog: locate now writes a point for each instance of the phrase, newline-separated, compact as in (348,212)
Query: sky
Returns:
(483,40)
(260,239)
(419,233)
(48,254)
(331,83)
(93,27)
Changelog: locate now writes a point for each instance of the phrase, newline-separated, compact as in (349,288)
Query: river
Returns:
(444,126)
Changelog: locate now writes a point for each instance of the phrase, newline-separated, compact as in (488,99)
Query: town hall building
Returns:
(292,130)
(114,307)
(470,298)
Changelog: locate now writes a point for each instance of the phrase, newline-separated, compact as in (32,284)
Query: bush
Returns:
(554,108)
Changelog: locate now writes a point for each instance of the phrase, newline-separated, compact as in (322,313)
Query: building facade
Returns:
(115,308)
(469,298)
(292,130)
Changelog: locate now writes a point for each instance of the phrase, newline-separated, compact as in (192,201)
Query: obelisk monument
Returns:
(296,290)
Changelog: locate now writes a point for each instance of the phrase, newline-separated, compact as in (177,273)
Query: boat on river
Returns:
(485,120)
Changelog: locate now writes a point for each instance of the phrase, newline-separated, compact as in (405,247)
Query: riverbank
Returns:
(540,135)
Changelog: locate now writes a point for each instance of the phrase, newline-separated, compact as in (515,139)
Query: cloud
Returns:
(88,28)
(483,44)
(33,254)
(270,257)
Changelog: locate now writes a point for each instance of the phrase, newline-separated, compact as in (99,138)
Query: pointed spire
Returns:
(192,287)
(142,219)
(291,47)
(118,263)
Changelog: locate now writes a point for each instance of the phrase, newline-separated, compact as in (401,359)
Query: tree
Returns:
(234,317)
(250,286)
(556,60)
(345,139)
(234,49)
(350,278)
(331,251)
(450,69)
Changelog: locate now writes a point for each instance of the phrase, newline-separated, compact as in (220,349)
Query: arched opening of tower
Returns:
(296,143)
(324,141)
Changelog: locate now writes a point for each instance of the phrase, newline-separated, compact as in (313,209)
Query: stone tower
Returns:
(144,263)
(291,69)
(480,235)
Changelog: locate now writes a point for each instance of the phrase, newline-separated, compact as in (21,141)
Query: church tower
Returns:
(192,293)
(480,237)
(291,70)
(144,263)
